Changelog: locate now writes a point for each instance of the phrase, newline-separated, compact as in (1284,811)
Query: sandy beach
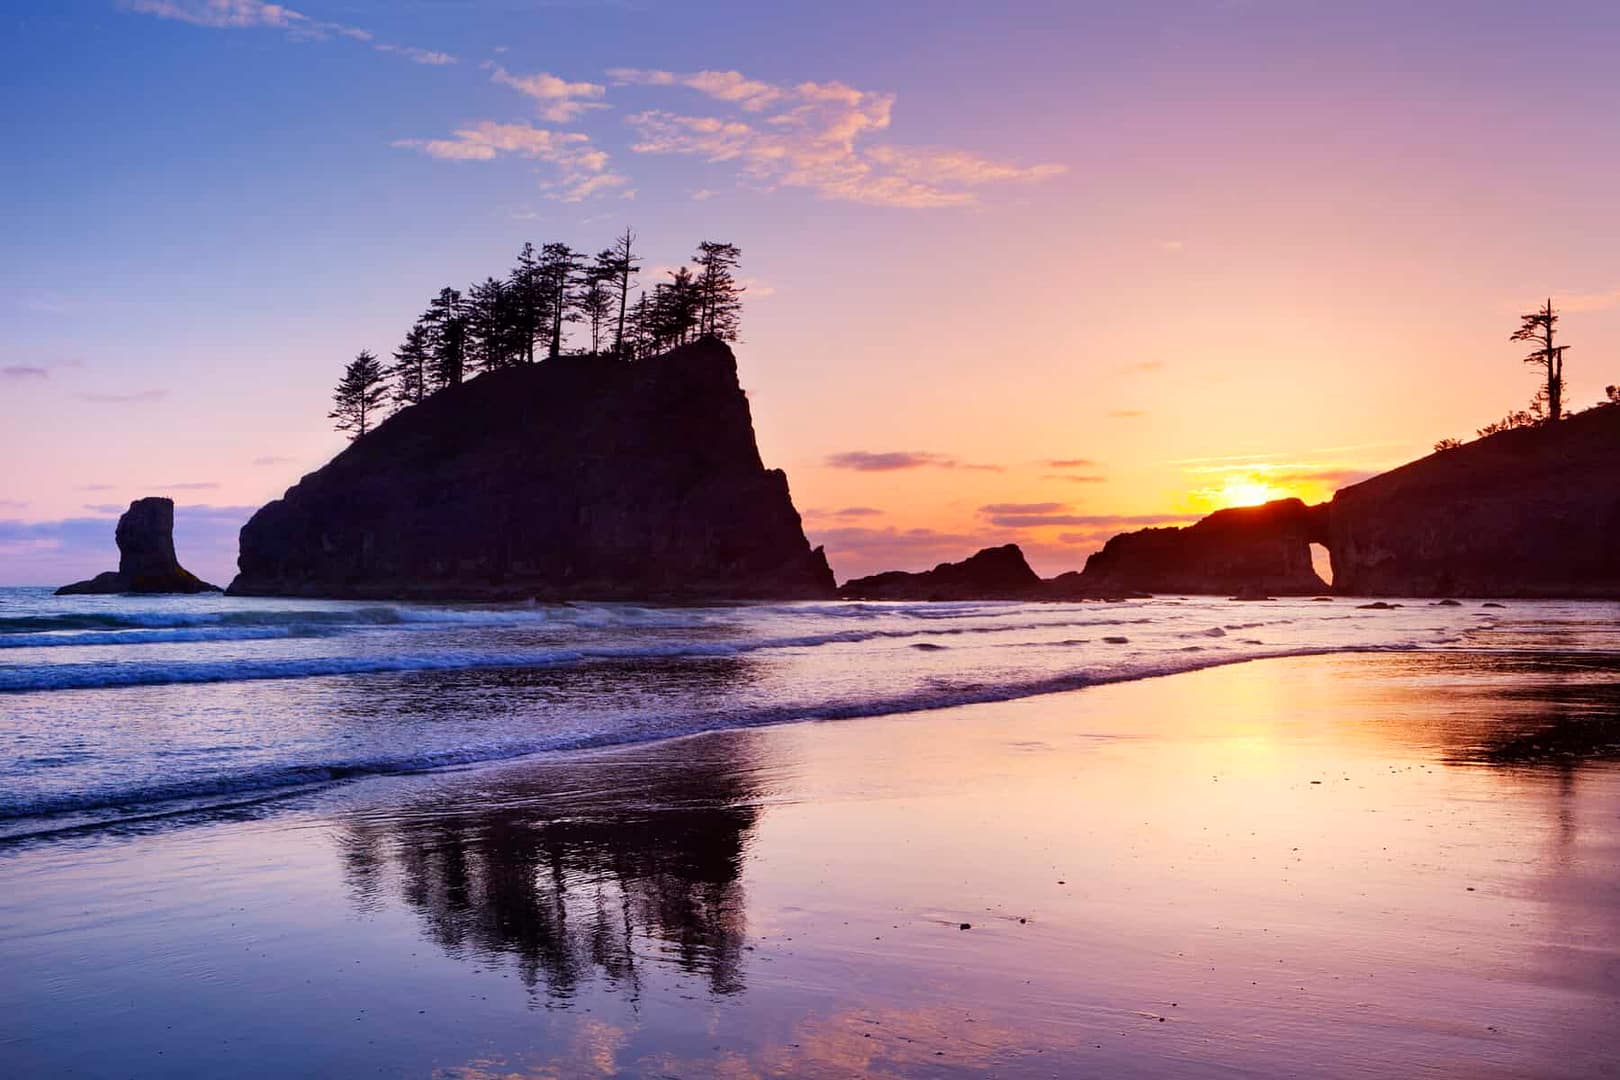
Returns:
(1398,865)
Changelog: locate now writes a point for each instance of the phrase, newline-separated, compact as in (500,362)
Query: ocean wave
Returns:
(104,675)
(149,798)
(359,616)
(60,639)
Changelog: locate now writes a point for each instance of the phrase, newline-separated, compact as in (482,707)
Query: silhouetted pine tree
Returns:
(494,332)
(411,366)
(595,298)
(530,311)
(559,266)
(625,268)
(447,321)
(719,294)
(676,307)
(638,329)
(359,395)
(1539,327)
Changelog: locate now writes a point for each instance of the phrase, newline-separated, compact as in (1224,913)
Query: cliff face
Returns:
(1244,550)
(998,573)
(146,559)
(1534,512)
(575,478)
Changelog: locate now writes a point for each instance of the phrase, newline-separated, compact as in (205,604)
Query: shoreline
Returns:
(236,797)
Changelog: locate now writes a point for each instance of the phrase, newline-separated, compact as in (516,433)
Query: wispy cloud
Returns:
(1286,473)
(272,460)
(581,170)
(895,460)
(1070,463)
(24,371)
(190,485)
(815,136)
(122,399)
(556,99)
(1126,414)
(844,512)
(418,56)
(259,14)
(1023,508)
(1042,515)
(223,14)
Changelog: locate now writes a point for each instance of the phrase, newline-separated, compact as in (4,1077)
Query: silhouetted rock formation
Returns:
(146,559)
(1248,552)
(576,478)
(1532,512)
(997,573)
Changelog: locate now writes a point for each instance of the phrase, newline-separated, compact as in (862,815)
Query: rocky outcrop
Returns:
(575,478)
(996,573)
(146,559)
(1244,551)
(1526,513)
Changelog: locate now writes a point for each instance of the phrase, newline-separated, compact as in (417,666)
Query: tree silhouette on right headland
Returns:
(1539,327)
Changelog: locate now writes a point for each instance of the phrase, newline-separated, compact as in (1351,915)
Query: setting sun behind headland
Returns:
(1241,491)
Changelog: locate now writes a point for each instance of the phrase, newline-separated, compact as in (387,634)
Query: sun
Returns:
(1243,491)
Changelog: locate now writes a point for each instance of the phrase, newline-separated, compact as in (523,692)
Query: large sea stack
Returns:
(146,558)
(1525,513)
(575,478)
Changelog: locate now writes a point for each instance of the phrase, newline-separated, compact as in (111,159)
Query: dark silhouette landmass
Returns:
(994,573)
(1524,512)
(146,558)
(1533,512)
(578,478)
(1244,551)
(1247,552)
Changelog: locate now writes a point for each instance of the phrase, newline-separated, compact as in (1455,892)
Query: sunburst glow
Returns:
(1242,491)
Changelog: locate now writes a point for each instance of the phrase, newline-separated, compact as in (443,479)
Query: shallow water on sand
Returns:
(1389,865)
(117,709)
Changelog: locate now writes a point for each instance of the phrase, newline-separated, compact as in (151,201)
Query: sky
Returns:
(1035,271)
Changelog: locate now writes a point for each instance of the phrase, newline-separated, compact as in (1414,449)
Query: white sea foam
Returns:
(112,708)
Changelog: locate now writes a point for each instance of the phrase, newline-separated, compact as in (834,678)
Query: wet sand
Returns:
(1393,865)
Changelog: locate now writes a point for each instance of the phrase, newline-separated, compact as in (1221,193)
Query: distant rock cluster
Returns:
(1528,512)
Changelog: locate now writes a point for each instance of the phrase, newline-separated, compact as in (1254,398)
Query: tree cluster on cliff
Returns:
(554,301)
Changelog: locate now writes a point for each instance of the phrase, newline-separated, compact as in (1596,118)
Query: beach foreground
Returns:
(1378,865)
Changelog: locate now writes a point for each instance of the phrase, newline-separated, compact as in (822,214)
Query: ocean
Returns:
(120,709)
